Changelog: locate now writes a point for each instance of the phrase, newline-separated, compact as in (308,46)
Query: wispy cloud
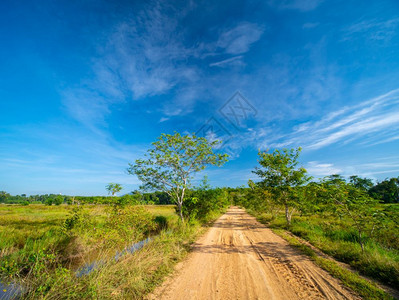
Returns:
(318,169)
(151,55)
(236,60)
(163,119)
(239,39)
(372,29)
(378,115)
(371,169)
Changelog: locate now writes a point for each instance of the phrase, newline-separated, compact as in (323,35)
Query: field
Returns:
(21,225)
(42,247)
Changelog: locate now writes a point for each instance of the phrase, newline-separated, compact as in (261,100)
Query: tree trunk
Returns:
(287,215)
(361,241)
(180,208)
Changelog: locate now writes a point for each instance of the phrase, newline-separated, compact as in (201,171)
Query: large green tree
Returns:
(171,163)
(280,173)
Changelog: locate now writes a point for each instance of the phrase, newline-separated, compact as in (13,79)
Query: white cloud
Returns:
(61,158)
(151,55)
(236,60)
(378,115)
(239,39)
(358,128)
(163,119)
(86,106)
(318,169)
(372,29)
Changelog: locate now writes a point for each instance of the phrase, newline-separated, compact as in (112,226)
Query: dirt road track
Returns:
(239,258)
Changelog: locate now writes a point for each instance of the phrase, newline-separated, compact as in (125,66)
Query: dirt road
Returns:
(239,258)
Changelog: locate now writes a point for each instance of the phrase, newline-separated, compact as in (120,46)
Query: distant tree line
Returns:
(386,191)
(55,199)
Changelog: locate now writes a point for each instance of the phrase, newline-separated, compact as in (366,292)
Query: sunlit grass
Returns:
(24,230)
(19,223)
(338,238)
(364,288)
(36,249)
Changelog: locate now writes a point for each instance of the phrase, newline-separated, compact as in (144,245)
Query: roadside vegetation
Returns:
(363,287)
(44,247)
(347,220)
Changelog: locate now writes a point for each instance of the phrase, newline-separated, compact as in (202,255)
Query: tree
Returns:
(201,201)
(363,184)
(171,162)
(280,174)
(387,191)
(113,188)
(58,200)
(49,200)
(4,196)
(259,199)
(347,200)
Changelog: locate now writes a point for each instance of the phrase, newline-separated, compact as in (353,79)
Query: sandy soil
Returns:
(239,258)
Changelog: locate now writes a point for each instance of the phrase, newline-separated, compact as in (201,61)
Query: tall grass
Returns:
(338,238)
(364,288)
(43,247)
(131,277)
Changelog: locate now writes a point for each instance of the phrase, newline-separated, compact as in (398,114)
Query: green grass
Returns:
(43,246)
(36,240)
(364,288)
(338,238)
(19,223)
(132,277)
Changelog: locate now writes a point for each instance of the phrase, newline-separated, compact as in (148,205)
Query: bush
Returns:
(201,203)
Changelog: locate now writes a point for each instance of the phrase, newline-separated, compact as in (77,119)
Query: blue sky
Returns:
(86,86)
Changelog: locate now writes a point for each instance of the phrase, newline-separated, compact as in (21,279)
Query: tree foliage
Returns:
(387,191)
(4,196)
(363,184)
(203,200)
(113,188)
(347,200)
(171,163)
(280,173)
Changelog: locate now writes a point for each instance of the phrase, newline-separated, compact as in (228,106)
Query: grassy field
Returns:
(21,225)
(338,238)
(43,246)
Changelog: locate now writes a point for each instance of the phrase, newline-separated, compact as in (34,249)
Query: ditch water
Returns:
(10,291)
(96,264)
(15,291)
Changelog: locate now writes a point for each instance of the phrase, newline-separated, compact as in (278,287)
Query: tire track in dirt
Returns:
(239,258)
